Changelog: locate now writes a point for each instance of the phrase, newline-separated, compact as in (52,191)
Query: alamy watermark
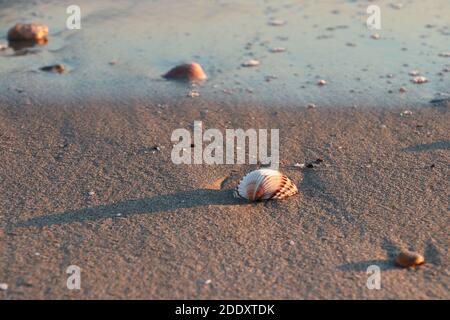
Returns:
(74,280)
(229,150)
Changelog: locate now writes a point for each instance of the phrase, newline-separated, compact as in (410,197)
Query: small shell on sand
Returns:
(193,94)
(419,79)
(3,286)
(444,54)
(265,184)
(406,259)
(58,68)
(28,32)
(406,113)
(251,63)
(414,73)
(321,82)
(375,36)
(187,72)
(278,49)
(276,22)
(3,47)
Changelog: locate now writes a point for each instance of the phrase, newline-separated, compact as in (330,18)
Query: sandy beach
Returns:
(87,177)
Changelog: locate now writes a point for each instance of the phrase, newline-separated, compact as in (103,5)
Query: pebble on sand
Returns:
(402,89)
(414,73)
(406,259)
(444,54)
(251,63)
(209,281)
(58,68)
(28,32)
(419,79)
(3,286)
(187,72)
(321,82)
(3,47)
(311,106)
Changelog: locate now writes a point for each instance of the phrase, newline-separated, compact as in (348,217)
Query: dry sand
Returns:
(379,189)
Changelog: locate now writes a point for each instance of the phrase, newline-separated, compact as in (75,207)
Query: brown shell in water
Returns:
(265,184)
(406,259)
(188,72)
(28,32)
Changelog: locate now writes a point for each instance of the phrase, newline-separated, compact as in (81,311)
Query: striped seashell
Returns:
(265,184)
(189,71)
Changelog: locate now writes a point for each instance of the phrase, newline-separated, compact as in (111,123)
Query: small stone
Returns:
(419,79)
(311,106)
(310,165)
(187,72)
(414,73)
(3,286)
(91,193)
(383,126)
(406,259)
(444,54)
(251,63)
(402,89)
(209,281)
(28,32)
(291,242)
(3,47)
(321,82)
(58,68)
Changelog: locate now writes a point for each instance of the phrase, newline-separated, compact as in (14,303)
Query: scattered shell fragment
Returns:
(444,54)
(311,106)
(265,184)
(278,49)
(397,5)
(321,82)
(299,165)
(28,32)
(59,68)
(3,286)
(188,71)
(419,79)
(406,113)
(251,63)
(276,22)
(209,281)
(193,94)
(375,36)
(414,73)
(3,47)
(406,259)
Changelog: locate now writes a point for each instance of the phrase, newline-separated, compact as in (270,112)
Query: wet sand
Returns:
(155,230)
(87,179)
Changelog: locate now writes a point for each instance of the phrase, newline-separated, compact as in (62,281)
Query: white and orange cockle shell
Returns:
(188,72)
(265,184)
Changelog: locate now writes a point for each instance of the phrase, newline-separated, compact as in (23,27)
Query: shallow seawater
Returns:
(323,40)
